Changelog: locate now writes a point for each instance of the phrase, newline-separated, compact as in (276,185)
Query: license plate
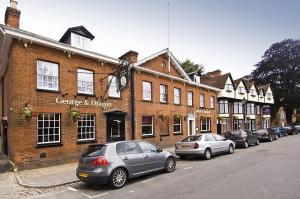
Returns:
(185,146)
(82,174)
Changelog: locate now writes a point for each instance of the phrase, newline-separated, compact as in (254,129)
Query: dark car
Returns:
(242,138)
(280,131)
(266,134)
(291,130)
(114,163)
(297,127)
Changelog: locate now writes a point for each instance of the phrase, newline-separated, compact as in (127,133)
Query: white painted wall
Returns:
(225,93)
(238,95)
(250,97)
(271,100)
(261,97)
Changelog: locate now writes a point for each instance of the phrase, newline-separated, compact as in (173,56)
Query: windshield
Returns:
(94,151)
(192,138)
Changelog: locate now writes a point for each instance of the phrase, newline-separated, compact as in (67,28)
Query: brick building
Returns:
(58,96)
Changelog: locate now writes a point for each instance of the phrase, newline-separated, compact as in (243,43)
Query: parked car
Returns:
(242,138)
(291,130)
(266,134)
(297,127)
(117,162)
(203,145)
(280,131)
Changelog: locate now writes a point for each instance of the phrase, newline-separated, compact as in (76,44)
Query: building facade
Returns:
(58,96)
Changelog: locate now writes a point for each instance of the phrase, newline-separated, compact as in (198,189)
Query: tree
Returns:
(280,66)
(190,67)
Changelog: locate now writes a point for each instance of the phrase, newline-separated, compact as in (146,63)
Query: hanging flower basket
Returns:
(235,117)
(220,118)
(248,118)
(27,112)
(163,116)
(177,116)
(74,114)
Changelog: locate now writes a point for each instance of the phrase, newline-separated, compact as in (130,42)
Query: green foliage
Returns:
(280,66)
(190,67)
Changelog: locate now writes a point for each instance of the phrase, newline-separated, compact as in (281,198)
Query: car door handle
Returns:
(146,156)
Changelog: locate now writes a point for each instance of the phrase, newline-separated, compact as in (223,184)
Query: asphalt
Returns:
(267,171)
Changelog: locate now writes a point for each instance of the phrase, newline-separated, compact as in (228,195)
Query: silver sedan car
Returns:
(204,145)
(115,163)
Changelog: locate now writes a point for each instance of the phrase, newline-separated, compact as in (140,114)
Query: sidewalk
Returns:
(51,176)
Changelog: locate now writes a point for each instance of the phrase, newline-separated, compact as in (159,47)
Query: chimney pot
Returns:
(12,15)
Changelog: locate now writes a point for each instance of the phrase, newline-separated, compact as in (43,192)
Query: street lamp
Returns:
(244,102)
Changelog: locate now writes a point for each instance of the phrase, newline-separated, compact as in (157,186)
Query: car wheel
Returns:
(207,154)
(170,165)
(182,157)
(230,149)
(257,142)
(246,145)
(118,178)
(276,137)
(270,138)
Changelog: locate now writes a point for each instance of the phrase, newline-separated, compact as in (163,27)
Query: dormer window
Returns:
(261,95)
(241,90)
(269,96)
(80,41)
(228,87)
(197,79)
(252,92)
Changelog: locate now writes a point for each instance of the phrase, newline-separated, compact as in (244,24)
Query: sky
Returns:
(230,35)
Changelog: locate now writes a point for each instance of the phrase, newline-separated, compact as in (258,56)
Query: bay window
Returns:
(238,107)
(223,107)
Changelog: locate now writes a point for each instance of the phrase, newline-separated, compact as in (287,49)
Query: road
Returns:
(270,170)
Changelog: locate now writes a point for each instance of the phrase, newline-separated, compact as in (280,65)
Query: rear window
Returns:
(260,131)
(192,138)
(94,151)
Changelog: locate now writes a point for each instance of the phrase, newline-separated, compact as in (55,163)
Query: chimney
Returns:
(131,56)
(12,15)
(215,73)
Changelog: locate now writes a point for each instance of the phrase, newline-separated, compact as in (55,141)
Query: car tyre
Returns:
(276,137)
(207,154)
(230,149)
(246,145)
(270,138)
(170,165)
(118,178)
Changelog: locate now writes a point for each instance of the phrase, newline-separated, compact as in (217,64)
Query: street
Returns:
(270,170)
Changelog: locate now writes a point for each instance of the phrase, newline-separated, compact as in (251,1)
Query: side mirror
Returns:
(159,150)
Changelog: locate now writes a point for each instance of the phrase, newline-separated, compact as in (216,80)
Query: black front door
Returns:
(115,126)
(4,138)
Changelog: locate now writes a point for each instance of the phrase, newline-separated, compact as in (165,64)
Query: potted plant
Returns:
(163,116)
(235,117)
(74,114)
(177,116)
(27,112)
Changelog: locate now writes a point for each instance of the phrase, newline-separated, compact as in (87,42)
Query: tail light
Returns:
(196,145)
(100,161)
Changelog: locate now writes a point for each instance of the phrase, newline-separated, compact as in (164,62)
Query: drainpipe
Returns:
(132,104)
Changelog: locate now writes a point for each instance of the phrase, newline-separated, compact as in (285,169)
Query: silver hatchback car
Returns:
(115,163)
(205,145)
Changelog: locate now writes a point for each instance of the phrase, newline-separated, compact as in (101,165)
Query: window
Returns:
(127,148)
(261,94)
(177,125)
(48,128)
(176,95)
(85,81)
(47,75)
(190,98)
(80,41)
(225,125)
(113,87)
(219,137)
(241,90)
(205,124)
(252,92)
(163,93)
(237,124)
(266,123)
(202,100)
(147,125)
(86,127)
(250,109)
(147,89)
(223,106)
(238,107)
(228,87)
(210,138)
(212,102)
(147,147)
(269,96)
(257,109)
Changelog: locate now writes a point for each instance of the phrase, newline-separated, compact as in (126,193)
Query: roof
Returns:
(173,60)
(238,81)
(264,88)
(218,81)
(80,30)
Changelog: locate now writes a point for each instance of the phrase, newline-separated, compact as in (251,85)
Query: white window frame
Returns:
(147,91)
(80,41)
(223,107)
(177,93)
(250,109)
(252,92)
(152,125)
(43,128)
(241,90)
(212,102)
(207,124)
(239,106)
(47,73)
(202,100)
(190,98)
(113,90)
(177,125)
(83,119)
(163,91)
(228,87)
(269,96)
(85,79)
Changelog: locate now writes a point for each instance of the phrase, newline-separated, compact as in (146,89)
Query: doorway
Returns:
(4,148)
(115,126)
(191,125)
